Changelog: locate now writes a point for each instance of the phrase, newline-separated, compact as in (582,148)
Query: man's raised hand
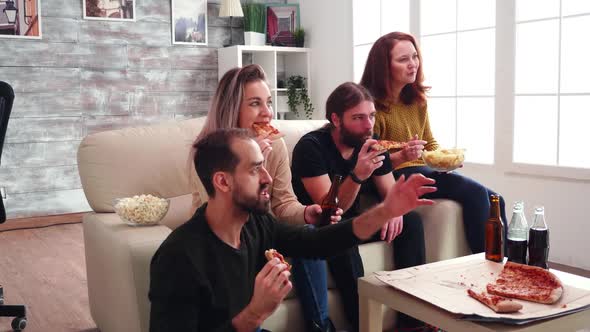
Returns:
(405,195)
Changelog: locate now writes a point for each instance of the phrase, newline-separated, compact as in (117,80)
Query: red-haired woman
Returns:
(393,74)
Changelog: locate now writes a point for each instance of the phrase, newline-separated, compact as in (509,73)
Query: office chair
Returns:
(17,311)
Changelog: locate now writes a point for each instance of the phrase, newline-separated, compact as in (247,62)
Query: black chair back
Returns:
(6,100)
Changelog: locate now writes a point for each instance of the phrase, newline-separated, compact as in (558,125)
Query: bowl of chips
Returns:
(141,210)
(444,160)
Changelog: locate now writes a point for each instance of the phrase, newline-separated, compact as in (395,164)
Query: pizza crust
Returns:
(497,303)
(385,145)
(528,283)
(272,253)
(266,130)
(555,295)
(269,254)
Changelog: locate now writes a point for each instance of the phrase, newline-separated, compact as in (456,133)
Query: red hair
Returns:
(378,78)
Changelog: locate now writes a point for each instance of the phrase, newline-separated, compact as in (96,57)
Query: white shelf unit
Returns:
(279,63)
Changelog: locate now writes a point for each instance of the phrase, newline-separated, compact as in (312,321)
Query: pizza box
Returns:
(444,284)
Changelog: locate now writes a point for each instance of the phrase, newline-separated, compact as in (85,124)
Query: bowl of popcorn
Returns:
(444,160)
(141,210)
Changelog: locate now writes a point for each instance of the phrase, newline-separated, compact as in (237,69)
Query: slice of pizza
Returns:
(528,283)
(497,303)
(271,253)
(266,130)
(385,145)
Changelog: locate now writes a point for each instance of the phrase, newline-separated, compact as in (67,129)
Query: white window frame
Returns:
(504,101)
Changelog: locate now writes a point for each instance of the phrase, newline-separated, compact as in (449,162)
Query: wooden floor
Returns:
(44,268)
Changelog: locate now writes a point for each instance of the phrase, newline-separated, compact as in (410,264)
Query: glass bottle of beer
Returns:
(494,232)
(330,203)
(539,240)
(517,235)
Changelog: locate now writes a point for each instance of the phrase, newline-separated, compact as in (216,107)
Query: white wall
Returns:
(328,28)
(566,212)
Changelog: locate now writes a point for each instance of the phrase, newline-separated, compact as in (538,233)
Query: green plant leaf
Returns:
(297,95)
(254,17)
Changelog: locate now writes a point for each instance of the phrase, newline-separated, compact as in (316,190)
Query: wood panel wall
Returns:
(86,76)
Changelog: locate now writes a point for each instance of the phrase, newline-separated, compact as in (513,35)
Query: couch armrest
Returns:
(117,267)
(444,233)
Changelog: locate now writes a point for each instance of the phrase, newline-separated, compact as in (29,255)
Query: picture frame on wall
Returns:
(20,19)
(109,10)
(282,19)
(189,22)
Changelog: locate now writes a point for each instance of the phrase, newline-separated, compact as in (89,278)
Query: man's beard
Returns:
(353,140)
(251,204)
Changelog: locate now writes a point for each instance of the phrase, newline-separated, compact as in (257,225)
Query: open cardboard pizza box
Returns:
(445,284)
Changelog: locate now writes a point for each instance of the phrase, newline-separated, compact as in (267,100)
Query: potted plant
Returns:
(299,36)
(254,14)
(297,95)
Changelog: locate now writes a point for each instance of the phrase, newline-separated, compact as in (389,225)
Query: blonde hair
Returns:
(224,112)
(225,106)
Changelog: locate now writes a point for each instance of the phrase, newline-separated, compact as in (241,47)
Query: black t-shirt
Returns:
(199,283)
(316,154)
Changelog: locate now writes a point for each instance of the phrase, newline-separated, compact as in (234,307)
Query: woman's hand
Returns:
(265,145)
(414,149)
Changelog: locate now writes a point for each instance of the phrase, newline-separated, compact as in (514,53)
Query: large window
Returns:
(457,39)
(542,73)
(510,79)
(371,20)
(552,83)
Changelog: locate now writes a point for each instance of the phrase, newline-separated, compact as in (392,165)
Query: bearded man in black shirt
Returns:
(344,147)
(211,274)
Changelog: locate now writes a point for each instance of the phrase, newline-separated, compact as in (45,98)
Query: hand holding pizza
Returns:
(265,145)
(270,288)
(405,195)
(265,134)
(414,149)
(313,215)
(368,161)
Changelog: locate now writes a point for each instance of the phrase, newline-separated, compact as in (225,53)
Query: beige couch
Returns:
(153,159)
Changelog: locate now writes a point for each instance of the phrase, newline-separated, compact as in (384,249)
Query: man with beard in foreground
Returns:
(343,147)
(211,273)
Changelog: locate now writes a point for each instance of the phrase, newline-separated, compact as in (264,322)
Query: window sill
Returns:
(570,174)
(545,171)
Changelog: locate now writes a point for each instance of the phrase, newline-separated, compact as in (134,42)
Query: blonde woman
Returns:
(243,98)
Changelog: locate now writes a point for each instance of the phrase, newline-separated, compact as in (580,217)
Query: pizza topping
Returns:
(497,303)
(383,145)
(525,282)
(271,253)
(266,130)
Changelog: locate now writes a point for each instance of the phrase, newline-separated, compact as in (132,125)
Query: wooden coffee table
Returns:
(373,293)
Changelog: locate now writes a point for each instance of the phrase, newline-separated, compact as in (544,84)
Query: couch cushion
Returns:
(130,161)
(160,164)
(294,129)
